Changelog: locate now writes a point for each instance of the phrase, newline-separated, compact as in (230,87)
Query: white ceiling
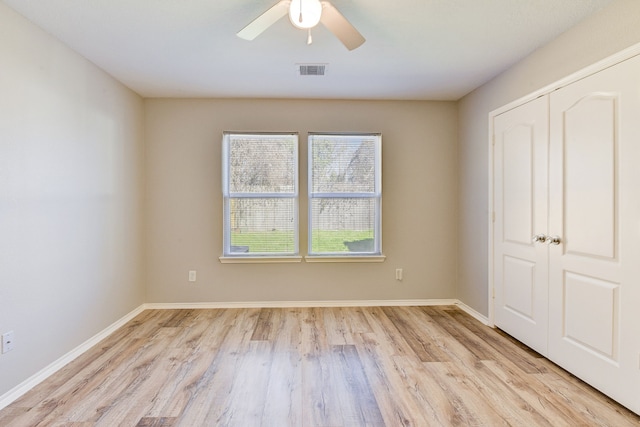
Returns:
(415,49)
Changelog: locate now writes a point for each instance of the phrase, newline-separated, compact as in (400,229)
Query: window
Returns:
(345,194)
(260,191)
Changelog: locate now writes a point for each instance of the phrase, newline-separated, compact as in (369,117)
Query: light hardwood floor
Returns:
(373,366)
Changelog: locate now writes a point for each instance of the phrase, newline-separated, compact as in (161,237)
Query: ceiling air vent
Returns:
(311,69)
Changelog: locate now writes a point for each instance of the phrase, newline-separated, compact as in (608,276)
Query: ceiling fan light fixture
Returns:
(305,14)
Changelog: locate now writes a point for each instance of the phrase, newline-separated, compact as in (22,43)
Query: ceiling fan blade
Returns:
(340,27)
(264,21)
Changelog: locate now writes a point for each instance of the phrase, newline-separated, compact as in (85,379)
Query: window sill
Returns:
(346,258)
(258,259)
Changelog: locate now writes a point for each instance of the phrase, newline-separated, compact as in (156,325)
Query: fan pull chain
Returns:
(309,39)
(300,18)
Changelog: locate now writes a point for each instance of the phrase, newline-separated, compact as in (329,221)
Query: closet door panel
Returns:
(518,145)
(591,314)
(590,201)
(594,209)
(520,194)
(517,297)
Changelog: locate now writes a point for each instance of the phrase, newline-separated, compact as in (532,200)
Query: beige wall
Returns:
(184,222)
(71,159)
(609,31)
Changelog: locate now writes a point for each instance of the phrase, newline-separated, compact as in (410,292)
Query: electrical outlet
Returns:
(192,276)
(7,342)
(398,274)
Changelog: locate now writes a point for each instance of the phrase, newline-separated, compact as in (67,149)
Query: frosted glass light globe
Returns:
(311,12)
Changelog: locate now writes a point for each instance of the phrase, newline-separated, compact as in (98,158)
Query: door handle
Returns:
(553,240)
(539,238)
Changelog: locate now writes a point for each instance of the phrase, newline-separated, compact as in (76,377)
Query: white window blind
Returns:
(260,191)
(345,194)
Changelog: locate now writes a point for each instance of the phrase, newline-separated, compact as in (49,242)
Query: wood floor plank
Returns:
(177,318)
(207,404)
(356,319)
(588,404)
(283,405)
(480,381)
(318,385)
(385,329)
(388,364)
(140,398)
(519,386)
(397,407)
(97,360)
(144,325)
(195,331)
(426,349)
(262,331)
(113,399)
(337,327)
(466,409)
(357,403)
(12,413)
(156,422)
(246,399)
(172,390)
(195,363)
(441,343)
(307,367)
(464,340)
(476,346)
(513,363)
(59,398)
(526,359)
(283,401)
(537,395)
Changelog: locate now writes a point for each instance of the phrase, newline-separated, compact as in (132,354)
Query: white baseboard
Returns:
(330,303)
(302,304)
(49,370)
(13,394)
(471,312)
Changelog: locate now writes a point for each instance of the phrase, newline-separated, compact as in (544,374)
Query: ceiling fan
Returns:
(306,14)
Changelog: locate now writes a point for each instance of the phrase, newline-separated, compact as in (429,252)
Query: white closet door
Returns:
(520,205)
(594,209)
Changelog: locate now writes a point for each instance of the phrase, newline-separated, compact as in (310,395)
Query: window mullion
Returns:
(344,195)
(262,195)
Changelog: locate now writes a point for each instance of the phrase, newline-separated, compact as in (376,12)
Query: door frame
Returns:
(609,61)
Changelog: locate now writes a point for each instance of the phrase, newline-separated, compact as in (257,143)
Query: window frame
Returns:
(376,255)
(227,255)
